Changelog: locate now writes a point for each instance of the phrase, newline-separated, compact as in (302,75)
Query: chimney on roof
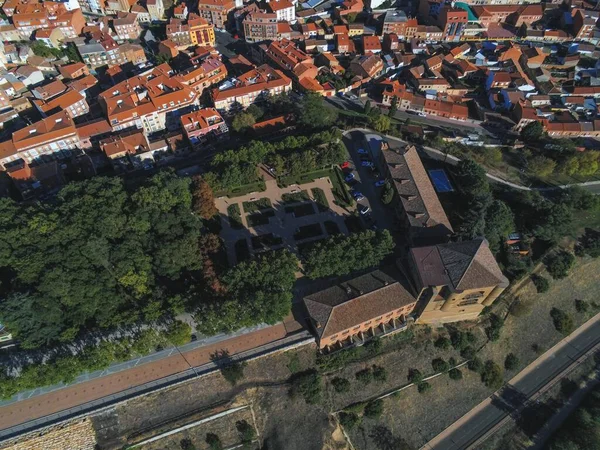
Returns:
(318,324)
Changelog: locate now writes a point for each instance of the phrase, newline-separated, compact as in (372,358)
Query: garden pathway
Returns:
(282,224)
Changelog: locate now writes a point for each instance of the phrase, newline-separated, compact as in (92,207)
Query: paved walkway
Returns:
(282,224)
(81,393)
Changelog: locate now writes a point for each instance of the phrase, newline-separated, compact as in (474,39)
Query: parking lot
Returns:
(367,181)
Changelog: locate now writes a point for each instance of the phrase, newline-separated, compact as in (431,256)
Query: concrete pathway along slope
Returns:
(485,418)
(78,394)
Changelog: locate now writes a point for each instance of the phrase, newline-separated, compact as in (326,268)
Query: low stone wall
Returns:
(77,434)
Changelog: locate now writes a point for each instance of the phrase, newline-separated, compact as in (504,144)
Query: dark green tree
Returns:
(393,107)
(563,322)
(511,362)
(532,132)
(491,375)
(558,264)
(313,113)
(307,385)
(341,255)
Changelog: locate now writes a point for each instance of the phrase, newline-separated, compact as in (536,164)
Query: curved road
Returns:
(592,186)
(483,420)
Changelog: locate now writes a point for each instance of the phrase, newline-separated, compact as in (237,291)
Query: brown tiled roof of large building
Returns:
(356,301)
(419,200)
(95,128)
(69,70)
(259,79)
(51,89)
(461,265)
(50,129)
(59,102)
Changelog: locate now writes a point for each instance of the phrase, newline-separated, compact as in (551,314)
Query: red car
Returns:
(345,165)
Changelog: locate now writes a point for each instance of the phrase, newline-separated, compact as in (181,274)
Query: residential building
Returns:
(454,281)
(216,11)
(252,87)
(201,32)
(179,33)
(44,137)
(181,11)
(370,44)
(156,9)
(203,124)
(73,71)
(452,21)
(398,23)
(46,16)
(168,48)
(286,55)
(100,51)
(583,25)
(127,26)
(351,312)
(203,75)
(260,26)
(283,9)
(33,180)
(153,100)
(93,6)
(50,90)
(52,37)
(133,53)
(142,14)
(71,101)
(28,75)
(8,33)
(415,203)
(366,66)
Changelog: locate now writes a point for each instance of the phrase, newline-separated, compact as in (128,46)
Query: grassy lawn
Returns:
(258,186)
(320,198)
(308,231)
(304,177)
(235,218)
(340,189)
(257,205)
(295,197)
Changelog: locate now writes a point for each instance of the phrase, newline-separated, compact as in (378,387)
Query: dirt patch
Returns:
(116,427)
(223,427)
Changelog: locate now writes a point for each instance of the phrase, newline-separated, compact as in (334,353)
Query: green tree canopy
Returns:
(258,291)
(532,132)
(96,257)
(341,255)
(242,121)
(313,113)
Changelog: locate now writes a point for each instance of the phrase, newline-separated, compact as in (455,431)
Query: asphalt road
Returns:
(349,104)
(530,381)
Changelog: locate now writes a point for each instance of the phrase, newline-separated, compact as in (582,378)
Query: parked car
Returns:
(422,114)
(363,209)
(357,195)
(348,178)
(379,183)
(345,165)
(362,151)
(367,164)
